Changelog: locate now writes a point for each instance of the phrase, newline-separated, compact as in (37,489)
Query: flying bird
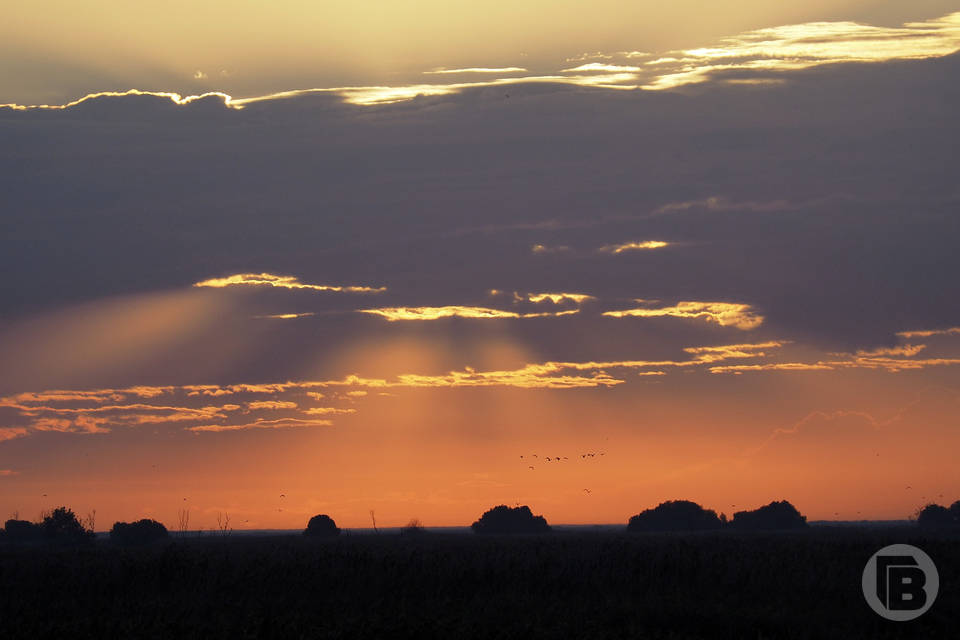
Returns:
(531,466)
(587,490)
(283,495)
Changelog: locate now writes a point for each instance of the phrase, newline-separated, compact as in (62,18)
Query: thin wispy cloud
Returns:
(283,423)
(725,314)
(282,282)
(394,314)
(476,70)
(641,245)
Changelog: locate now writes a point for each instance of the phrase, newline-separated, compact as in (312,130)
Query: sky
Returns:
(426,258)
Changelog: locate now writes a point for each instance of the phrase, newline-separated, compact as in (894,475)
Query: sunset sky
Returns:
(391,255)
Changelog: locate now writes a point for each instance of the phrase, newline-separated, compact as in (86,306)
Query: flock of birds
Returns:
(583,456)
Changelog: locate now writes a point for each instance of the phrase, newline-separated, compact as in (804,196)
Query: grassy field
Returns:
(559,585)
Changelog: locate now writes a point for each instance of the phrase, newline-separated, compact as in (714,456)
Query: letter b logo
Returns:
(900,582)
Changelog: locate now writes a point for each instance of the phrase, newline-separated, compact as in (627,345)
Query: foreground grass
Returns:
(569,585)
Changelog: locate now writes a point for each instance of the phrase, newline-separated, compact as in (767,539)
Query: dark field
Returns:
(559,585)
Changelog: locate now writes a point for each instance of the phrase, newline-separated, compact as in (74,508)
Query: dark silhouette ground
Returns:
(715,585)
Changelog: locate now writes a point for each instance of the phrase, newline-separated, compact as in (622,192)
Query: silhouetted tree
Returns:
(675,515)
(955,511)
(776,515)
(414,527)
(139,532)
(321,526)
(63,525)
(504,519)
(935,516)
(21,531)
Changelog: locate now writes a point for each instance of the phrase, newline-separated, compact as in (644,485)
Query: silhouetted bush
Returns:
(675,515)
(21,531)
(63,525)
(935,516)
(413,528)
(140,532)
(504,519)
(776,515)
(321,526)
(955,511)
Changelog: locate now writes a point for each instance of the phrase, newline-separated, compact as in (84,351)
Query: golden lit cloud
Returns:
(325,411)
(9,433)
(556,298)
(394,314)
(726,314)
(779,366)
(286,316)
(907,350)
(633,246)
(282,423)
(271,404)
(601,66)
(730,351)
(175,98)
(477,70)
(802,46)
(283,282)
(774,49)
(543,249)
(952,331)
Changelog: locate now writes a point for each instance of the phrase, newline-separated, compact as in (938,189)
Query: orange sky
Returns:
(390,258)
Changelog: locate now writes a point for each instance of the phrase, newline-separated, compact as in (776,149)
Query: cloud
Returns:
(907,350)
(283,282)
(721,203)
(286,316)
(8,473)
(802,46)
(762,51)
(324,411)
(10,433)
(271,404)
(773,366)
(729,351)
(952,331)
(600,66)
(633,246)
(175,98)
(555,298)
(726,314)
(544,249)
(282,423)
(394,314)
(477,70)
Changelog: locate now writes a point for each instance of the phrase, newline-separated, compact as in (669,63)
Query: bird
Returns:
(909,487)
(521,457)
(531,466)
(587,490)
(44,496)
(184,499)
(548,458)
(283,495)
(534,455)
